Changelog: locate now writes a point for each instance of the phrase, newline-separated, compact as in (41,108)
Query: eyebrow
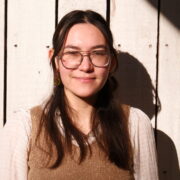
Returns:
(78,48)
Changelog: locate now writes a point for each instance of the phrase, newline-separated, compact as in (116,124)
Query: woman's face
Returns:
(86,80)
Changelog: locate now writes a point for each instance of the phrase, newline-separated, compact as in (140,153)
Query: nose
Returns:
(86,64)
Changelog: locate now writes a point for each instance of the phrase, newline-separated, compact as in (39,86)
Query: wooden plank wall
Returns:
(168,123)
(30,27)
(146,34)
(137,57)
(2,5)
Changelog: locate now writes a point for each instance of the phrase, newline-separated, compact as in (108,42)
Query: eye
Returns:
(72,53)
(99,53)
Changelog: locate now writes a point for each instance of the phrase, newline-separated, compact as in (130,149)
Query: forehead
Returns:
(84,36)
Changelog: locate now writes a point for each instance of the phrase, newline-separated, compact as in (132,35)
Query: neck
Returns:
(82,109)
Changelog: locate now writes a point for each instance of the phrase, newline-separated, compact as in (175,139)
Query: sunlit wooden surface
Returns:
(135,27)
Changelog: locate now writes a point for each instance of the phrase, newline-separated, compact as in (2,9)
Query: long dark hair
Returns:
(113,138)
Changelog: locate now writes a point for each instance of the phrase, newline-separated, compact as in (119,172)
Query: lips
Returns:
(85,79)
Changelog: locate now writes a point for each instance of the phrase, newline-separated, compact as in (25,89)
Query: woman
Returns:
(80,132)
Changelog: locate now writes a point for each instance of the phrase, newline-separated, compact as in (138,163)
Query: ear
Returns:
(50,55)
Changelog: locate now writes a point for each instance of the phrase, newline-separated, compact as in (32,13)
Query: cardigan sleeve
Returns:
(143,142)
(14,143)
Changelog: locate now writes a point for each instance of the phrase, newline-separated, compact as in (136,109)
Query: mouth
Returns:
(85,79)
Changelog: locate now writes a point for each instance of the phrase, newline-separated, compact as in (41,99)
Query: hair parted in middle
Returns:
(114,138)
(77,17)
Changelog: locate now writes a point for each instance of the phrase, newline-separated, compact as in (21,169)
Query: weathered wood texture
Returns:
(30,27)
(65,7)
(1,60)
(168,122)
(135,28)
(134,25)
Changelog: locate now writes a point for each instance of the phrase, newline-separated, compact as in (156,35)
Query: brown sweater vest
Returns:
(94,167)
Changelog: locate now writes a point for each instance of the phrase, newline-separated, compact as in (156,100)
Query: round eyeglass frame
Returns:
(88,53)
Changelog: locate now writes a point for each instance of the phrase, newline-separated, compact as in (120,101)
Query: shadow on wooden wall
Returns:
(167,158)
(135,86)
(136,89)
(170,9)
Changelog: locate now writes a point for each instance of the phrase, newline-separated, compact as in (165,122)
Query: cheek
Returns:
(64,75)
(103,75)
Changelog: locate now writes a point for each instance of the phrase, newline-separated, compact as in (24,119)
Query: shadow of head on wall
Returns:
(135,85)
(136,89)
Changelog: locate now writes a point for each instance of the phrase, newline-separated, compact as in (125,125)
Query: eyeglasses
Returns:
(73,59)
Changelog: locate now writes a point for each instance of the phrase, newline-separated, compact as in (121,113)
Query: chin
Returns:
(86,94)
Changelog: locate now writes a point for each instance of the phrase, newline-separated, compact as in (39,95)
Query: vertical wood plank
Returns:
(1,60)
(30,30)
(67,6)
(169,84)
(134,25)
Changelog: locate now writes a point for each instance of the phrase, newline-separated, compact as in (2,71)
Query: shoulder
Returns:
(20,119)
(143,143)
(14,143)
(17,129)
(19,125)
(16,133)
(138,118)
(139,124)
